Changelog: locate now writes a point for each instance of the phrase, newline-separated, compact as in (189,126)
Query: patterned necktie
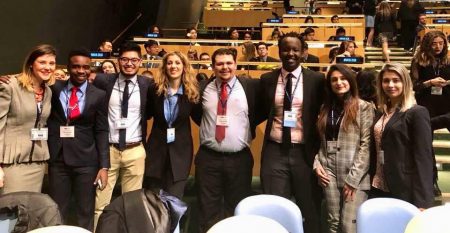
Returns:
(287,104)
(222,110)
(73,104)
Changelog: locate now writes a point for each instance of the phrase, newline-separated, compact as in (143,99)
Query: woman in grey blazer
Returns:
(24,109)
(343,161)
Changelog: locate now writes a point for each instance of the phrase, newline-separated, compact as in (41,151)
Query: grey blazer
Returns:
(18,115)
(353,155)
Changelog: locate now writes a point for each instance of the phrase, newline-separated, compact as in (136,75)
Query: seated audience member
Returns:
(340,31)
(318,11)
(309,19)
(191,33)
(309,58)
(155,29)
(205,57)
(276,34)
(335,19)
(262,50)
(107,67)
(59,74)
(347,49)
(309,34)
(147,73)
(106,46)
(248,36)
(192,55)
(233,34)
(152,49)
(333,53)
(248,52)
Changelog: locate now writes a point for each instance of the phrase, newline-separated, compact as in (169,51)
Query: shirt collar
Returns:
(179,91)
(133,79)
(232,80)
(297,72)
(82,87)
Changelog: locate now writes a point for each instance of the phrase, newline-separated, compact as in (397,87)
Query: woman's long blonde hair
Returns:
(384,10)
(188,79)
(408,99)
(26,77)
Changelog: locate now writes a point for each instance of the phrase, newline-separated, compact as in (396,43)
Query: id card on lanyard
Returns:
(37,133)
(290,117)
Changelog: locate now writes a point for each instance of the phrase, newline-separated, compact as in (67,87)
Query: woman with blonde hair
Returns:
(24,109)
(342,163)
(171,101)
(401,155)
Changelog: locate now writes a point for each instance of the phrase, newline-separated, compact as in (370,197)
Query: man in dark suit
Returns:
(126,94)
(309,58)
(152,49)
(78,140)
(291,99)
(263,50)
(228,120)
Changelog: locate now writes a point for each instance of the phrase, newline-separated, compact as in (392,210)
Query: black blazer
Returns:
(313,89)
(251,87)
(408,156)
(106,82)
(90,146)
(180,152)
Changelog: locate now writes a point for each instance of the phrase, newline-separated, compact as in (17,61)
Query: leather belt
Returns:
(127,146)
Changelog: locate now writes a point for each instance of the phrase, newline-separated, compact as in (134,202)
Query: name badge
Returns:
(170,135)
(436,90)
(381,157)
(67,131)
(122,123)
(290,119)
(332,147)
(39,134)
(222,120)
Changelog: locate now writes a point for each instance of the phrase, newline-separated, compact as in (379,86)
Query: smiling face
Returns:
(108,68)
(339,83)
(174,67)
(43,67)
(129,63)
(290,51)
(224,67)
(392,85)
(79,69)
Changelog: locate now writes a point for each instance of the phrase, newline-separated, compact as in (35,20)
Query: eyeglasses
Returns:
(125,60)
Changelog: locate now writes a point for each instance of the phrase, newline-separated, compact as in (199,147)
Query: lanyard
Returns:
(39,109)
(335,124)
(224,102)
(436,68)
(291,95)
(172,113)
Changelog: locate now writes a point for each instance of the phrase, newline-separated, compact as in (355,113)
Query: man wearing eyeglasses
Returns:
(127,94)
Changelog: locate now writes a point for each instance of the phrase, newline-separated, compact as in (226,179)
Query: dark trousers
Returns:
(223,180)
(408,31)
(284,172)
(66,180)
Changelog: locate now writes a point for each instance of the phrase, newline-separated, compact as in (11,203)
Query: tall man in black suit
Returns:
(78,140)
(126,94)
(291,98)
(228,120)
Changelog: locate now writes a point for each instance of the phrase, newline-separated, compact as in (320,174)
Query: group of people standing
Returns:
(320,135)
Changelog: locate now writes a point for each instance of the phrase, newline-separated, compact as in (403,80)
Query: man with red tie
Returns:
(78,140)
(224,161)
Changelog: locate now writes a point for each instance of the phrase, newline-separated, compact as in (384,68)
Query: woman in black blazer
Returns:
(170,103)
(402,162)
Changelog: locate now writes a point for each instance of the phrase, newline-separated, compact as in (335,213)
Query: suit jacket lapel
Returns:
(397,115)
(59,87)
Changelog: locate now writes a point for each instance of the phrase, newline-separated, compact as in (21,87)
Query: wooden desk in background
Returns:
(300,18)
(231,18)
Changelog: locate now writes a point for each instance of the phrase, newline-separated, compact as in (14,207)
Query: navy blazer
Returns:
(408,156)
(90,146)
(106,82)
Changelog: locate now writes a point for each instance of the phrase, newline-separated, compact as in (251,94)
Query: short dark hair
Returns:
(105,41)
(340,30)
(224,51)
(202,54)
(189,29)
(334,17)
(78,52)
(293,35)
(262,43)
(231,31)
(150,43)
(129,47)
(308,30)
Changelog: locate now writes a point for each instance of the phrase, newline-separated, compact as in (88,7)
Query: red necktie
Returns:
(73,104)
(222,110)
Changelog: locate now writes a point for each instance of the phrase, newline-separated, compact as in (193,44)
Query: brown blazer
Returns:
(353,155)
(18,113)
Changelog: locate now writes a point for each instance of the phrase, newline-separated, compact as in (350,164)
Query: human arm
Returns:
(421,85)
(5,102)
(441,121)
(102,140)
(324,180)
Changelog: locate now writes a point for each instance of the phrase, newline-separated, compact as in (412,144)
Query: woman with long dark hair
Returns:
(343,161)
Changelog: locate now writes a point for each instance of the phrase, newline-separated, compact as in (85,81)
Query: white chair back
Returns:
(386,215)
(278,208)
(247,224)
(60,229)
(432,220)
